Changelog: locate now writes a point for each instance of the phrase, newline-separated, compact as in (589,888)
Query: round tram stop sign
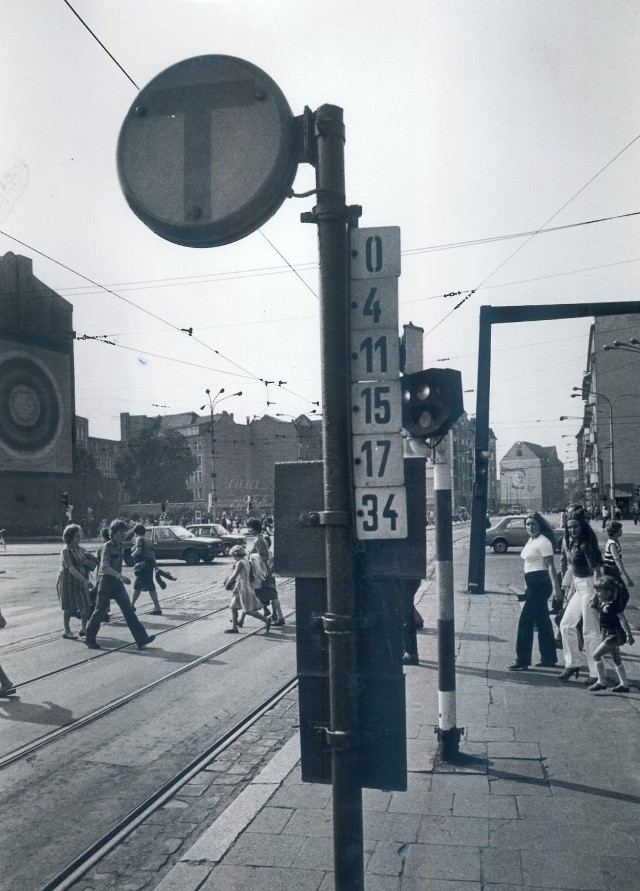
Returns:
(207,152)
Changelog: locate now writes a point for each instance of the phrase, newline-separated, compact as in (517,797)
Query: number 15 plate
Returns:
(381,512)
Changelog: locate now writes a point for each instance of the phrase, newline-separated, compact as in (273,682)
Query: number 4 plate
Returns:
(381,512)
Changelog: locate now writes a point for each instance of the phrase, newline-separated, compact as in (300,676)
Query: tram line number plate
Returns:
(378,460)
(381,512)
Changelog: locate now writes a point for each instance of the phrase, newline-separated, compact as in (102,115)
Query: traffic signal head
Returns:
(64,498)
(431,401)
(163,506)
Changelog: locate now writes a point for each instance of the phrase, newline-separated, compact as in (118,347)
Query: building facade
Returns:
(462,461)
(607,440)
(531,478)
(239,458)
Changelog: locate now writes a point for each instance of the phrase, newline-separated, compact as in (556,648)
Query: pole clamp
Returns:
(340,739)
(324,518)
(333,624)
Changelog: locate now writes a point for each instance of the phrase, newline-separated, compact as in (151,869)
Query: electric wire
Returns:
(97,39)
(533,235)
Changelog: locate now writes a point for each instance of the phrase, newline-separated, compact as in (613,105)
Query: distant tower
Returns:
(36,373)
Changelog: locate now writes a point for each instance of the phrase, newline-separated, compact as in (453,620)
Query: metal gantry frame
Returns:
(499,315)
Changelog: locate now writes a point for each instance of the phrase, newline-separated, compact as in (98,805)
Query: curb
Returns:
(201,858)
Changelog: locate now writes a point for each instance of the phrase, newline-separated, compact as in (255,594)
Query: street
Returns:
(66,793)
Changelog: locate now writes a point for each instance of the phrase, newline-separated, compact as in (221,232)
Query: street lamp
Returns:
(213,401)
(612,490)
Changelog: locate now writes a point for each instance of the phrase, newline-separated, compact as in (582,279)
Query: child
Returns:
(144,566)
(609,601)
(243,596)
(614,567)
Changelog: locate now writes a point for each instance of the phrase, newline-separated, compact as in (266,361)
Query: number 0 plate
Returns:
(381,512)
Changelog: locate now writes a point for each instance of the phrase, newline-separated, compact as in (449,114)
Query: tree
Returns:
(84,464)
(154,467)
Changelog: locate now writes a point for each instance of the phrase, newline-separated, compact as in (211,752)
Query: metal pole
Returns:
(448,733)
(611,462)
(331,216)
(477,546)
(213,469)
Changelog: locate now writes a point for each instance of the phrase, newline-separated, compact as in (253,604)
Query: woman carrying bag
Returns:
(585,560)
(540,581)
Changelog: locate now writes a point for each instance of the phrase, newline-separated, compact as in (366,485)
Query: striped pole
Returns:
(448,733)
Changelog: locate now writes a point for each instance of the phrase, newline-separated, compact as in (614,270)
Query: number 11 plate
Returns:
(381,512)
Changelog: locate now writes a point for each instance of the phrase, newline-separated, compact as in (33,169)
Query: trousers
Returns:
(110,588)
(580,607)
(535,614)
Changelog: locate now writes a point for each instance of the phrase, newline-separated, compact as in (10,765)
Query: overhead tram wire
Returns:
(258,272)
(97,39)
(533,235)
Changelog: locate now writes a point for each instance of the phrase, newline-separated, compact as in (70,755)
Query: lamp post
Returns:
(612,477)
(213,401)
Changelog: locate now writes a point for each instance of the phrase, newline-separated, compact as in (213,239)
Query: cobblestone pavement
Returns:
(151,851)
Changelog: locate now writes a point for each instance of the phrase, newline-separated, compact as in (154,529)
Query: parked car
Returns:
(510,532)
(177,543)
(229,539)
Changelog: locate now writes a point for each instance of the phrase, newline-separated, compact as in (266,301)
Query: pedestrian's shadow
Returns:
(465,635)
(13,709)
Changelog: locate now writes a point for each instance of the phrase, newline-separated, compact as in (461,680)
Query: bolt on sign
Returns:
(376,407)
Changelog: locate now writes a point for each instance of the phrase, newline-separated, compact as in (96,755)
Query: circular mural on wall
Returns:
(30,406)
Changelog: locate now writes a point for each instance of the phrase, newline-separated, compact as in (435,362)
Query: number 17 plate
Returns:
(381,512)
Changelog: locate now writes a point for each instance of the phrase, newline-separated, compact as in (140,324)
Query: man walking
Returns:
(111,584)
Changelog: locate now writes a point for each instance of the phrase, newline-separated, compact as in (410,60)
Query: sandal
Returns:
(7,691)
(69,636)
(231,631)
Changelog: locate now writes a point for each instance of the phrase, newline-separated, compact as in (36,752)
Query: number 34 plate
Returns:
(381,512)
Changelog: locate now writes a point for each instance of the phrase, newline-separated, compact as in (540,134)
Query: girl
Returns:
(614,567)
(73,584)
(609,602)
(243,596)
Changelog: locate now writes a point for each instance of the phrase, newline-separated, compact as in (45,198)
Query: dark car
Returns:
(177,543)
(229,539)
(510,532)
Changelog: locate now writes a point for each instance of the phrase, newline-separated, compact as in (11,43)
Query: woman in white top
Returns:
(540,581)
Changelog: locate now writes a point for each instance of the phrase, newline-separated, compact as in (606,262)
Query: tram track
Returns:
(47,637)
(114,836)
(31,748)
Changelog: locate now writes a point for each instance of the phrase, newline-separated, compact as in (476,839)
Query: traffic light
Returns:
(163,506)
(64,498)
(431,401)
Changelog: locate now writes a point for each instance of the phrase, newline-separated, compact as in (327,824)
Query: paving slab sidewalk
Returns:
(546,794)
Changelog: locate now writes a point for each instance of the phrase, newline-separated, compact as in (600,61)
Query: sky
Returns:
(468,122)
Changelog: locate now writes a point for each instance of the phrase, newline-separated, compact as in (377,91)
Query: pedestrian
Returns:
(605,515)
(243,598)
(541,581)
(636,513)
(73,585)
(7,687)
(144,566)
(612,557)
(584,557)
(111,584)
(267,593)
(617,514)
(609,602)
(3,543)
(223,521)
(487,521)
